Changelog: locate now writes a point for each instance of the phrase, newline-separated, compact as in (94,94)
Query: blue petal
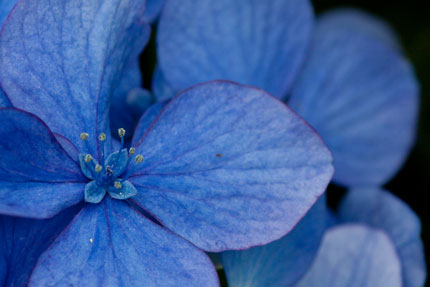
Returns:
(161,89)
(354,255)
(38,199)
(146,120)
(5,8)
(380,209)
(122,115)
(228,166)
(22,241)
(126,191)
(86,168)
(361,95)
(61,60)
(280,263)
(94,193)
(4,101)
(153,8)
(118,162)
(259,43)
(113,245)
(30,152)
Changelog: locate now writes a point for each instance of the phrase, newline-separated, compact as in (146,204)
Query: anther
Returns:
(98,168)
(139,159)
(132,150)
(88,158)
(102,137)
(117,185)
(121,132)
(84,136)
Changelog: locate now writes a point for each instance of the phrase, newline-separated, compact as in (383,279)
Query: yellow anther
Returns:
(88,158)
(84,136)
(132,150)
(98,168)
(102,137)
(117,185)
(121,132)
(139,158)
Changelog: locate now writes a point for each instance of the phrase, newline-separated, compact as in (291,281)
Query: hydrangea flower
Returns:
(337,73)
(375,242)
(203,171)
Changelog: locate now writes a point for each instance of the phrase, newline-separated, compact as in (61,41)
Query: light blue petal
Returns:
(61,60)
(5,8)
(381,209)
(253,42)
(228,167)
(38,199)
(118,162)
(22,241)
(354,255)
(280,263)
(146,120)
(113,245)
(126,191)
(153,8)
(361,95)
(94,193)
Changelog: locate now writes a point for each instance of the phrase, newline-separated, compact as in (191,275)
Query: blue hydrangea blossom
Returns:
(338,73)
(374,242)
(203,171)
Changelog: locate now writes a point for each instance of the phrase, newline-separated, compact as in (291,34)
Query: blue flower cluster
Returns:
(255,107)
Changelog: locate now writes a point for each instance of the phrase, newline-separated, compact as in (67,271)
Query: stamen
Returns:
(88,158)
(132,150)
(102,137)
(121,132)
(84,136)
(117,185)
(139,158)
(98,168)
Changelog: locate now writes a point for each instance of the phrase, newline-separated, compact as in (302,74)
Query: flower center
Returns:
(110,175)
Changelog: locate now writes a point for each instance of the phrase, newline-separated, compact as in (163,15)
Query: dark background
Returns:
(411,21)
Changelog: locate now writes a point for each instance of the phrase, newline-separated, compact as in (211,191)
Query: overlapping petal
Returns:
(114,245)
(354,255)
(5,8)
(22,241)
(280,263)
(61,60)
(361,95)
(228,166)
(253,42)
(37,176)
(380,209)
(153,8)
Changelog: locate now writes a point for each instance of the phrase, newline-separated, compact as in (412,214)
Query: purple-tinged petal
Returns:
(354,255)
(282,262)
(228,167)
(361,95)
(22,241)
(113,245)
(146,120)
(381,209)
(31,152)
(38,199)
(5,8)
(253,42)
(153,9)
(61,60)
